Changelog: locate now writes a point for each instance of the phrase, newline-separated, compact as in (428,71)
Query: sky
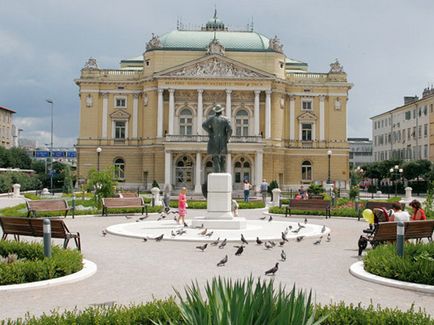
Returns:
(385,47)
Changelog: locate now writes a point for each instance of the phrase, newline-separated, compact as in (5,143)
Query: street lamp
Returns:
(98,153)
(329,154)
(51,102)
(396,173)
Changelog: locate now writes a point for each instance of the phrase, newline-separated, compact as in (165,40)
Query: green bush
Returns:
(315,189)
(257,204)
(342,201)
(33,266)
(271,187)
(354,191)
(341,314)
(416,266)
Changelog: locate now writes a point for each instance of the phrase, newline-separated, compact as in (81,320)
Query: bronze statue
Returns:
(219,130)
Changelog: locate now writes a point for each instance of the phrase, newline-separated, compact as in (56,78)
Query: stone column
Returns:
(256,112)
(229,104)
(321,119)
(135,114)
(276,196)
(199,111)
(105,97)
(168,169)
(156,193)
(258,169)
(171,109)
(291,118)
(197,185)
(160,114)
(17,188)
(229,163)
(268,114)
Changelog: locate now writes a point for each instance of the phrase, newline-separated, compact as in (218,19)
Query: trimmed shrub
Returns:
(416,266)
(33,266)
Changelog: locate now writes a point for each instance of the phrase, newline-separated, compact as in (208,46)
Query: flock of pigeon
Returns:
(268,244)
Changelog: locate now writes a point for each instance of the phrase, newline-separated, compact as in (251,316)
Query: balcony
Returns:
(204,138)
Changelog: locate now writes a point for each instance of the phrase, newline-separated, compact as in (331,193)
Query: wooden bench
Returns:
(376,205)
(34,227)
(386,231)
(128,202)
(127,194)
(46,206)
(308,205)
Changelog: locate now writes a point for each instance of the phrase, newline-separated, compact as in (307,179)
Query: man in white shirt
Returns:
(398,214)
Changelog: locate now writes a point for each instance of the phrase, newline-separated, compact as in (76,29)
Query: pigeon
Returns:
(223,243)
(104,233)
(145,239)
(323,229)
(180,232)
(268,245)
(300,238)
(128,217)
(270,219)
(173,233)
(209,234)
(273,270)
(305,220)
(159,238)
(185,224)
(283,256)
(258,241)
(286,231)
(363,243)
(284,237)
(243,240)
(296,230)
(272,243)
(199,227)
(142,218)
(239,250)
(203,232)
(223,261)
(329,237)
(203,247)
(300,225)
(216,242)
(318,241)
(262,218)
(162,216)
(281,243)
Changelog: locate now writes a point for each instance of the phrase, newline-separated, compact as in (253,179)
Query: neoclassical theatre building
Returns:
(145,118)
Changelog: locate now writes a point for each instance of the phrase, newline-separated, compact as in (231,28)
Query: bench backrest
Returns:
(47,205)
(376,205)
(385,231)
(113,202)
(128,194)
(419,229)
(12,225)
(311,204)
(58,227)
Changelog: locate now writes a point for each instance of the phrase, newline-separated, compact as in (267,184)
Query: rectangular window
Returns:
(120,130)
(120,102)
(306,132)
(408,133)
(306,173)
(425,151)
(408,115)
(414,132)
(425,130)
(306,104)
(420,131)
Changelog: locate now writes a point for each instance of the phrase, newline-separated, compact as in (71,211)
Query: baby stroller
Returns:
(380,215)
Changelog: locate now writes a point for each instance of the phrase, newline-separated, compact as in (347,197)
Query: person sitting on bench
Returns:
(398,214)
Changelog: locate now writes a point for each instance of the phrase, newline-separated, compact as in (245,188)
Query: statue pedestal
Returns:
(219,213)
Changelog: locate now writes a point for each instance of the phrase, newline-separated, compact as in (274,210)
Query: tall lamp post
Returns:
(396,173)
(51,102)
(329,154)
(98,153)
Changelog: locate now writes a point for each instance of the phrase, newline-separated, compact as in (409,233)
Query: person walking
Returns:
(264,190)
(246,186)
(182,205)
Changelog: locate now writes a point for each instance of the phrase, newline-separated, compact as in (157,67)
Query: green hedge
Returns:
(163,311)
(33,266)
(417,265)
(337,212)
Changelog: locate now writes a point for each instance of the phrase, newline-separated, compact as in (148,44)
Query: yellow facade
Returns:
(146,117)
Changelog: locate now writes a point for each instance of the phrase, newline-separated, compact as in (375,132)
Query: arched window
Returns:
(185,122)
(242,171)
(184,172)
(242,123)
(306,171)
(119,165)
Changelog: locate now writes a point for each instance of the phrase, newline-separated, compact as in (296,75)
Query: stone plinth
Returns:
(17,188)
(219,212)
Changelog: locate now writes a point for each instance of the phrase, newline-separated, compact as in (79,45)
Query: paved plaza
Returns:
(133,271)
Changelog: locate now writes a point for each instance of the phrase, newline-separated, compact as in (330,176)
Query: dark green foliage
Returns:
(417,265)
(341,314)
(342,201)
(67,180)
(271,187)
(155,184)
(315,189)
(101,183)
(32,266)
(354,191)
(27,182)
(15,158)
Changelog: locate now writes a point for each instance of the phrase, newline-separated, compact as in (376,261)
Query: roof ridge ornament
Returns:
(336,67)
(154,42)
(91,64)
(275,45)
(215,47)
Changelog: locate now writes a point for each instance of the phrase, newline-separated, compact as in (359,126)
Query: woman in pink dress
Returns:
(182,205)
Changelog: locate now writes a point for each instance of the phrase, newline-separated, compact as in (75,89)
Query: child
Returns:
(235,207)
(182,205)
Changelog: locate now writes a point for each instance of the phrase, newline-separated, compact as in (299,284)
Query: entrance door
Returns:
(242,171)
(184,172)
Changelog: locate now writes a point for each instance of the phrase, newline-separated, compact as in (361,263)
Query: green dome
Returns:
(199,40)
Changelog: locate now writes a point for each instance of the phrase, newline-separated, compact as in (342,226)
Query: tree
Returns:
(101,183)
(19,158)
(67,180)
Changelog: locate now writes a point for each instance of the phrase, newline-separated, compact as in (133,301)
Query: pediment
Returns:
(215,66)
(307,116)
(120,115)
